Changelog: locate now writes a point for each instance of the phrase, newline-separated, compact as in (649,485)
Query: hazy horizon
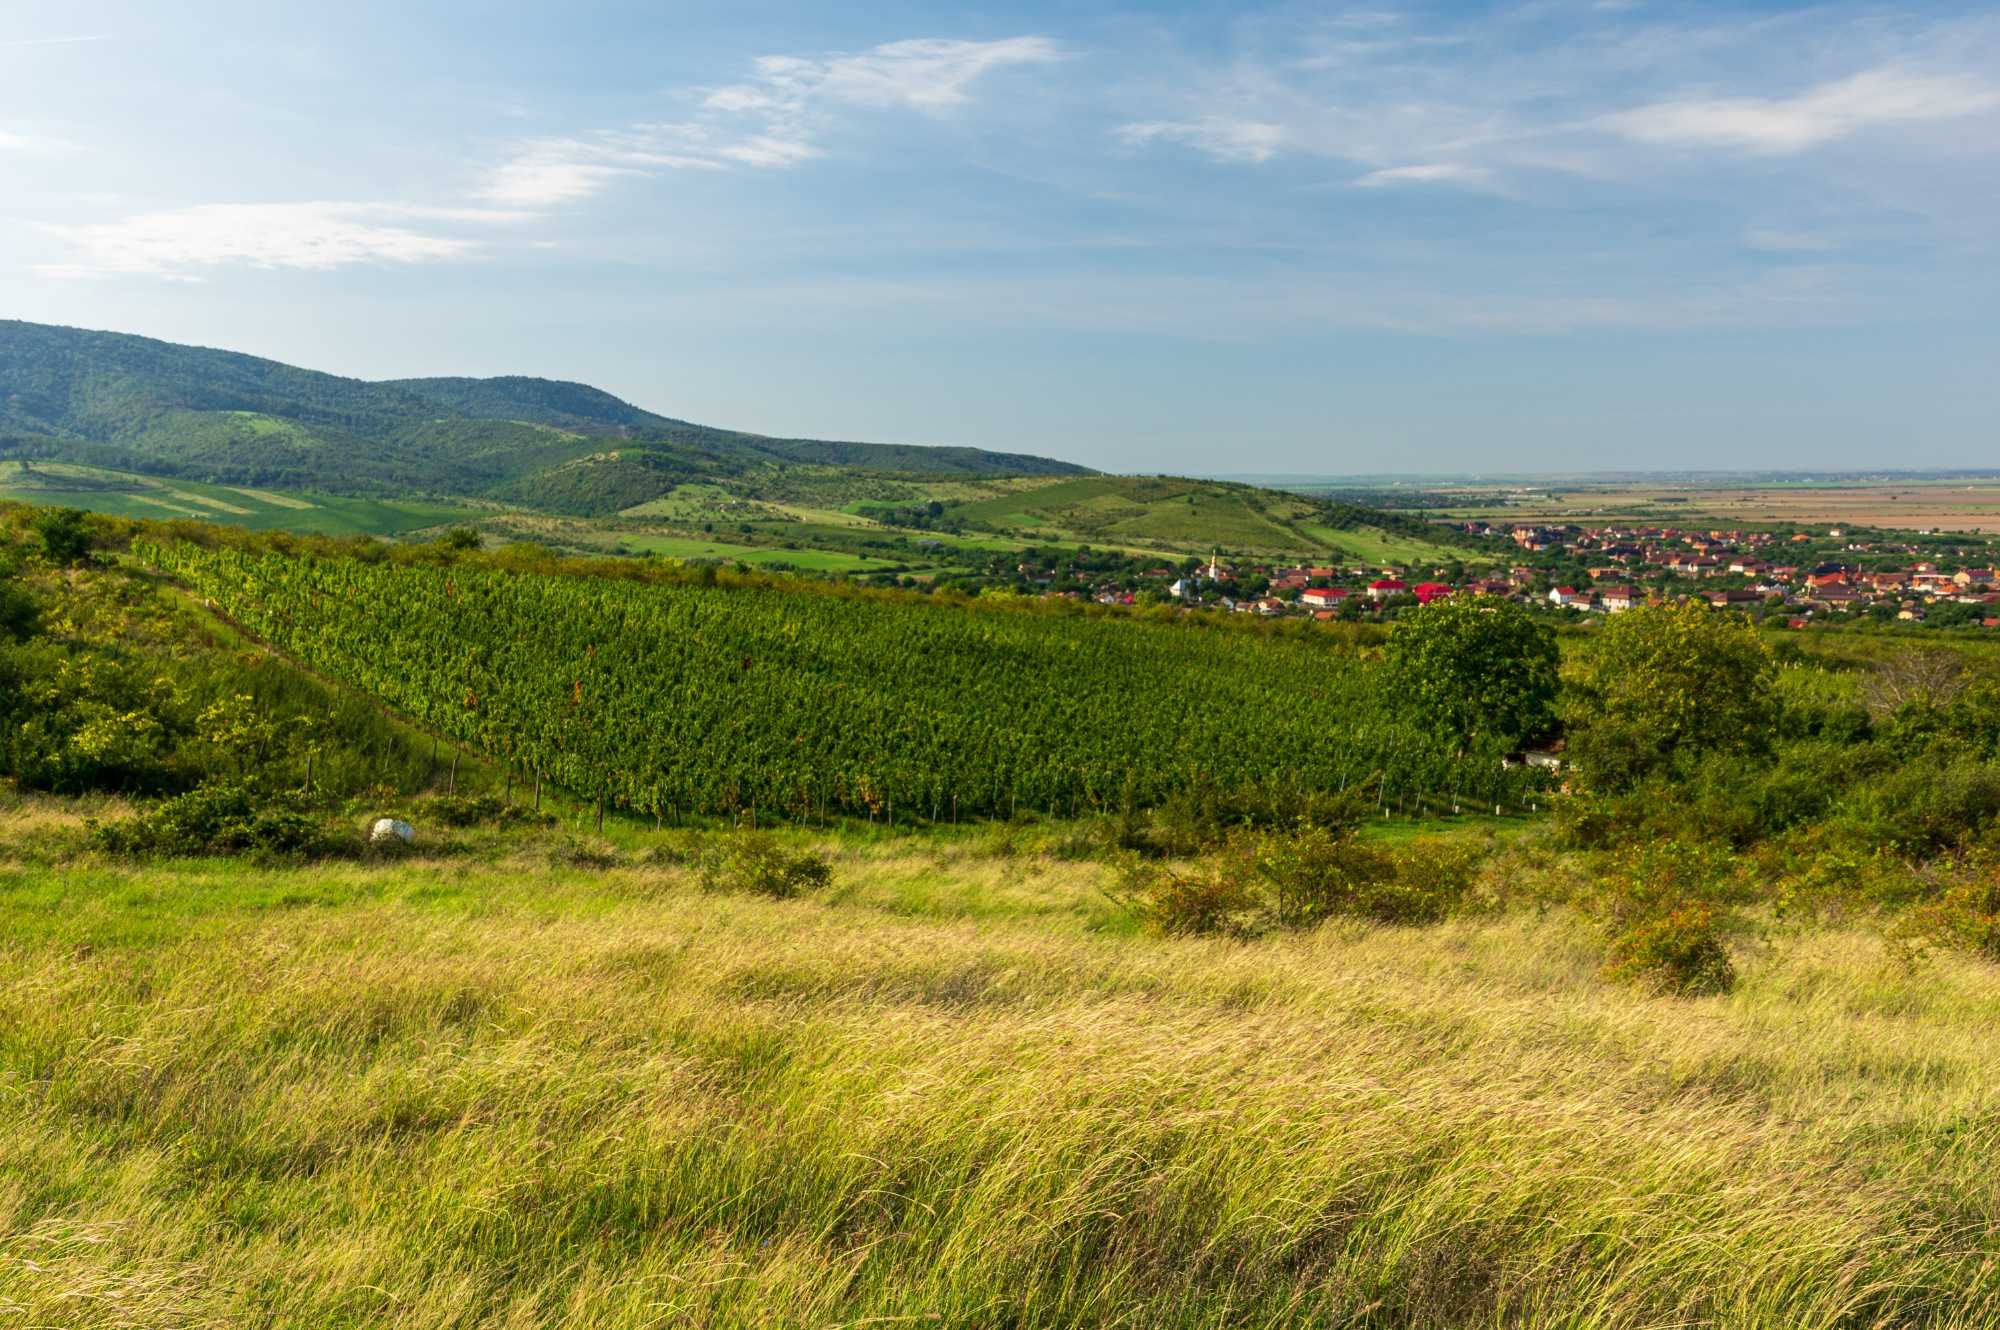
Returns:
(1538,239)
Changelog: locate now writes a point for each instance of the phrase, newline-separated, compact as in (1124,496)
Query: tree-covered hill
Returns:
(135,403)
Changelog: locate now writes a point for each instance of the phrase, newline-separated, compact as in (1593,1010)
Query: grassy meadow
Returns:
(533,1078)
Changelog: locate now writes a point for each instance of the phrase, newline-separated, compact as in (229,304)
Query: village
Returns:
(1800,576)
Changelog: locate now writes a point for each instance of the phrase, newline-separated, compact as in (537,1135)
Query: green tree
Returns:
(65,537)
(1667,679)
(1475,667)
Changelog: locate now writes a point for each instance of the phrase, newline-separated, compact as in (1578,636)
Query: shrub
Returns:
(223,819)
(1434,877)
(1299,879)
(473,810)
(1313,873)
(1664,908)
(20,616)
(1202,816)
(1678,953)
(1656,877)
(755,861)
(578,852)
(1927,805)
(1965,918)
(1213,898)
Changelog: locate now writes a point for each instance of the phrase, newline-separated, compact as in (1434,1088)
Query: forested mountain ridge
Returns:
(161,408)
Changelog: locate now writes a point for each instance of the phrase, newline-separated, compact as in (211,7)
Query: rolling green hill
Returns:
(141,405)
(1150,512)
(149,417)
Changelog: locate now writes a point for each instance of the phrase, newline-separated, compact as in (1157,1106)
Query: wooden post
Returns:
(451,786)
(538,791)
(309,773)
(600,816)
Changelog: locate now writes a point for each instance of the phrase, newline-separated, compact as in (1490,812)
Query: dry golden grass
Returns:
(950,1091)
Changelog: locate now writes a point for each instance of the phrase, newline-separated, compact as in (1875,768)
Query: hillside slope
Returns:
(138,404)
(1177,512)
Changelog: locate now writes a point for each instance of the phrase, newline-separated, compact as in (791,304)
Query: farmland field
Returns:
(1970,505)
(689,547)
(696,697)
(122,494)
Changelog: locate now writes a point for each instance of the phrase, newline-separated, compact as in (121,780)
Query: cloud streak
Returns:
(317,237)
(1479,100)
(1224,139)
(770,121)
(1870,99)
(1428,173)
(775,119)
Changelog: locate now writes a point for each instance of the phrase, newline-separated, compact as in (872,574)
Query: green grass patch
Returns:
(815,560)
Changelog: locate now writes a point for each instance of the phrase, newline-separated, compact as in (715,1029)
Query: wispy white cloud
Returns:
(1426,173)
(772,120)
(1224,139)
(546,172)
(925,74)
(182,243)
(1567,88)
(1883,96)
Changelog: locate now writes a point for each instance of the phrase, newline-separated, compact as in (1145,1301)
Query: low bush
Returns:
(1931,804)
(581,852)
(1966,917)
(1202,817)
(1665,909)
(1217,898)
(1679,953)
(1297,879)
(226,819)
(756,861)
(1655,877)
(477,810)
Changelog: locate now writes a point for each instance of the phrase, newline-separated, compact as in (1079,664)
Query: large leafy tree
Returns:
(1476,668)
(1665,680)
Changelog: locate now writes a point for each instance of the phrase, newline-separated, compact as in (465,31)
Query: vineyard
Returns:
(691,699)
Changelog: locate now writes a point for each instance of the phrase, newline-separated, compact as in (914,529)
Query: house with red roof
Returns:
(1384,587)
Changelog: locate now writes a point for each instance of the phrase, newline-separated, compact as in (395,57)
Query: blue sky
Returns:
(1548,235)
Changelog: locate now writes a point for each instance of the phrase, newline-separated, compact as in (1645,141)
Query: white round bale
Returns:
(390,828)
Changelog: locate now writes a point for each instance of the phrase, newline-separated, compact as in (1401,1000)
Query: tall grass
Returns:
(478,1092)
